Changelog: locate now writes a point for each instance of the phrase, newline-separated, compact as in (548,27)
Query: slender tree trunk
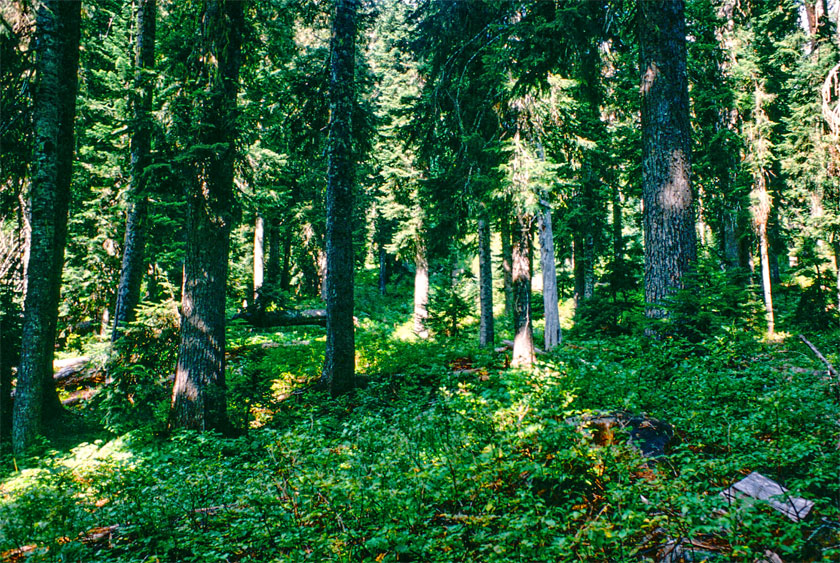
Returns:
(133,260)
(322,274)
(670,237)
(549,272)
(198,400)
(761,213)
(421,290)
(617,240)
(523,342)
(5,387)
(339,366)
(589,267)
(57,62)
(836,245)
(259,258)
(486,329)
(383,268)
(579,269)
(507,265)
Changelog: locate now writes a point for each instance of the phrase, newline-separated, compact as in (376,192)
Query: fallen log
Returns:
(818,354)
(267,319)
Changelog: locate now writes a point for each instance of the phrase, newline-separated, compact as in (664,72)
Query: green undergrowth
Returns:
(446,454)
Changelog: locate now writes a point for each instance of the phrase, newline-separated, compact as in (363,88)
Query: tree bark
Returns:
(549,272)
(5,386)
(523,342)
(286,271)
(339,366)
(57,63)
(486,330)
(259,258)
(198,400)
(421,290)
(670,238)
(133,260)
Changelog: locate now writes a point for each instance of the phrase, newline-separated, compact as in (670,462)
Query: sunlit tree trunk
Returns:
(340,357)
(670,237)
(57,63)
(272,256)
(523,342)
(549,273)
(485,274)
(382,258)
(421,290)
(259,258)
(761,213)
(133,260)
(199,395)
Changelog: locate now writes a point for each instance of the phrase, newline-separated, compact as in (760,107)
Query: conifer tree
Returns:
(339,367)
(57,31)
(199,395)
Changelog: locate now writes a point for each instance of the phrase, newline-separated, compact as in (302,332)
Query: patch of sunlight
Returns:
(82,460)
(567,313)
(405,331)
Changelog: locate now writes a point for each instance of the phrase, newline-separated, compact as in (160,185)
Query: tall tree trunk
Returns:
(579,269)
(836,246)
(761,213)
(549,272)
(589,267)
(486,329)
(198,400)
(670,238)
(259,259)
(523,341)
(339,366)
(133,260)
(507,264)
(57,63)
(322,274)
(421,289)
(618,242)
(5,386)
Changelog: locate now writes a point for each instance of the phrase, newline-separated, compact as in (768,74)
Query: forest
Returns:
(419,280)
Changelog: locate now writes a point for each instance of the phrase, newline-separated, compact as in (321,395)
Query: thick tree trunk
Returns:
(589,267)
(198,400)
(421,290)
(549,273)
(670,237)
(523,342)
(259,258)
(339,366)
(57,62)
(507,265)
(486,329)
(133,260)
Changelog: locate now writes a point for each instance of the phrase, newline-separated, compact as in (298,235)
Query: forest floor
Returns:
(445,454)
